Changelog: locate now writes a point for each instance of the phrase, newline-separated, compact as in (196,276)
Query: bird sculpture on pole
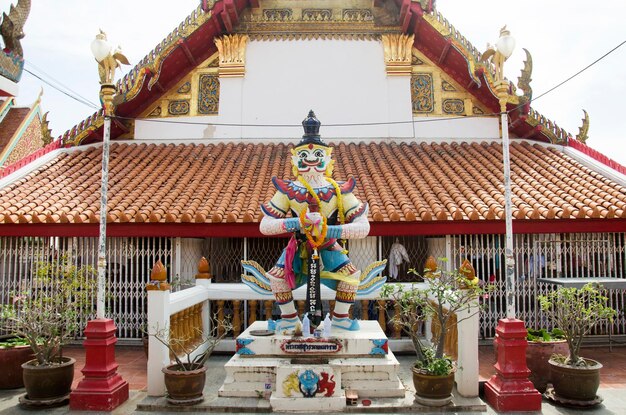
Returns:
(108,59)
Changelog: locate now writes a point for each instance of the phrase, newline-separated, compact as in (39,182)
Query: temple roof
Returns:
(10,123)
(193,41)
(225,183)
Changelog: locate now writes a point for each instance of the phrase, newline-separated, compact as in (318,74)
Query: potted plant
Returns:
(576,311)
(45,312)
(445,294)
(542,344)
(185,377)
(13,352)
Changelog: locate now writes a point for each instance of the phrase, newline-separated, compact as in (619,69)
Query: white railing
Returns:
(163,304)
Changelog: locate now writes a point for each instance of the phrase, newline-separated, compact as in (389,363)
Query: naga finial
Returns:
(523,82)
(12,27)
(583,130)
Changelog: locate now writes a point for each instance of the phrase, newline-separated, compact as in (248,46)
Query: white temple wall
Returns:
(343,81)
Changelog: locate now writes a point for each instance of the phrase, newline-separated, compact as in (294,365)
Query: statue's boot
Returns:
(346,294)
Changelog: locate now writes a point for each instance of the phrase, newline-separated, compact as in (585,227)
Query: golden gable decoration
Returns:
(232,55)
(398,55)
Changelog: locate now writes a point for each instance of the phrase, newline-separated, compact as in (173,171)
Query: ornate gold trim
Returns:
(232,55)
(313,36)
(583,130)
(398,53)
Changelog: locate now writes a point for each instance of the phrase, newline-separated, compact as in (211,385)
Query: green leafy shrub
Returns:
(576,311)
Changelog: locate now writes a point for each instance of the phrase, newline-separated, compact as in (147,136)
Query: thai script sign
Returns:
(312,346)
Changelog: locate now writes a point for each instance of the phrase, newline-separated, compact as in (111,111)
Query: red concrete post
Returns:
(102,388)
(509,389)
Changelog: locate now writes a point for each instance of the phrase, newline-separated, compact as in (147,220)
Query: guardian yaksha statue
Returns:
(318,212)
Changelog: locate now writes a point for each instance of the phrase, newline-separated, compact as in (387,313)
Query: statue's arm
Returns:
(275,221)
(358,226)
(276,226)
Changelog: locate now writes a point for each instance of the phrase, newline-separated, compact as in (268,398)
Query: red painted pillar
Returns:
(102,388)
(509,389)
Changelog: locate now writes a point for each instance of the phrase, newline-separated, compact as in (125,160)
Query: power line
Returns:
(581,71)
(82,101)
(67,88)
(85,101)
(413,122)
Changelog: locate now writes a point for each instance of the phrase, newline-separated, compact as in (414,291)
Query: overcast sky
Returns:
(563,37)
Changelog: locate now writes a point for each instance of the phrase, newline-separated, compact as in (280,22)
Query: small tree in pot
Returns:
(46,312)
(445,295)
(576,311)
(185,378)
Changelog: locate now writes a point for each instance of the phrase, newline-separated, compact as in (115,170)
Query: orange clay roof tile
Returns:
(227,182)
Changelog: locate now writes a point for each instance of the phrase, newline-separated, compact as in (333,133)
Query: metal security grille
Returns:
(418,248)
(130,261)
(542,255)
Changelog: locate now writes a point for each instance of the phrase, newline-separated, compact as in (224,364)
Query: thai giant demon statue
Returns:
(318,212)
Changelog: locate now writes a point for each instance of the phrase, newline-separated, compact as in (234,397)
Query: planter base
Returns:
(190,401)
(433,402)
(44,403)
(573,403)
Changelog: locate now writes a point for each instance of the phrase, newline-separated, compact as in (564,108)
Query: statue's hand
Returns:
(315,221)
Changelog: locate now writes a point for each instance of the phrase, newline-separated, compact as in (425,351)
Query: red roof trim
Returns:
(237,230)
(596,155)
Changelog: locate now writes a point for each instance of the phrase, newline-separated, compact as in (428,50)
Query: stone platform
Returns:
(303,370)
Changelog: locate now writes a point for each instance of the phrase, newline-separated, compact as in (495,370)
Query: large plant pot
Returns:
(48,383)
(537,356)
(11,360)
(184,387)
(576,383)
(433,390)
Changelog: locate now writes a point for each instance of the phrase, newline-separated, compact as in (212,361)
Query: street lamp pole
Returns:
(504,48)
(502,91)
(102,388)
(509,389)
(106,96)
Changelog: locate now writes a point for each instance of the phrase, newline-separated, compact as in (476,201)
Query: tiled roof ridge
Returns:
(226,182)
(596,155)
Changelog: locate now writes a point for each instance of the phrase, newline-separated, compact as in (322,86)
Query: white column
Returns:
(467,362)
(158,354)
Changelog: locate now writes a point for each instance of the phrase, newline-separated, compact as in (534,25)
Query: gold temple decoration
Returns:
(523,82)
(107,65)
(12,27)
(583,130)
(496,58)
(435,93)
(232,53)
(398,55)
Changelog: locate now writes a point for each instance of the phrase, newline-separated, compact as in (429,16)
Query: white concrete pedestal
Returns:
(313,372)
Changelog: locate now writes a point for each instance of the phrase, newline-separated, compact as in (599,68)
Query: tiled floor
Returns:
(132,364)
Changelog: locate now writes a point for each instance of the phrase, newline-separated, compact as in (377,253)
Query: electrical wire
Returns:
(61,85)
(84,102)
(413,122)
